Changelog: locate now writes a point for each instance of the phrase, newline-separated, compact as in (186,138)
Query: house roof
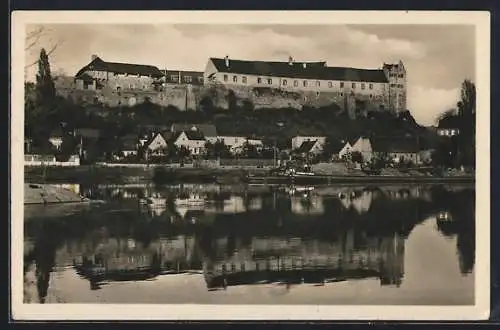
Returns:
(149,141)
(122,68)
(337,145)
(402,145)
(128,142)
(306,146)
(312,70)
(191,135)
(58,132)
(208,130)
(449,122)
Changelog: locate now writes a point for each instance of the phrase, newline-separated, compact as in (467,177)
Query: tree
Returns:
(45,89)
(467,104)
(250,150)
(218,149)
(357,157)
(184,152)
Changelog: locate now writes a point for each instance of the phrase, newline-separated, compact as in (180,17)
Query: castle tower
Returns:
(397,77)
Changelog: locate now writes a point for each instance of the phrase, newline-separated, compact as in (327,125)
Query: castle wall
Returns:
(121,90)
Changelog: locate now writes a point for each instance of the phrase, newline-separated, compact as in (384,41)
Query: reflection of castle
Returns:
(351,255)
(114,259)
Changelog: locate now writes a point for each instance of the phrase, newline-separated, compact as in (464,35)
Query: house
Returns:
(128,145)
(298,140)
(56,138)
(156,145)
(363,146)
(236,143)
(117,76)
(449,126)
(193,140)
(340,149)
(309,147)
(208,130)
(397,150)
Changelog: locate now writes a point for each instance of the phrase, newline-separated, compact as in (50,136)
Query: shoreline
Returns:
(163,175)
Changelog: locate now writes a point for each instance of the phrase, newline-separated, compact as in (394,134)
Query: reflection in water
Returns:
(245,235)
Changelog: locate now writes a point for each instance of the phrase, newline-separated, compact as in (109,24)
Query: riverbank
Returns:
(47,194)
(227,175)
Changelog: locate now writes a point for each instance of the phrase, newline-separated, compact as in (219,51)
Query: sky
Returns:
(437,58)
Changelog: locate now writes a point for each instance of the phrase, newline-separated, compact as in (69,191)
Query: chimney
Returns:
(290,60)
(226,59)
(93,57)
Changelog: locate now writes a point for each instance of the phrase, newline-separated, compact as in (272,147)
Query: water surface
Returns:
(212,244)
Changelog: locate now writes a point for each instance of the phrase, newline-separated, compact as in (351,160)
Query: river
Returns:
(251,244)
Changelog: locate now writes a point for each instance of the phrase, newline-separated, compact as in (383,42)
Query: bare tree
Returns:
(33,39)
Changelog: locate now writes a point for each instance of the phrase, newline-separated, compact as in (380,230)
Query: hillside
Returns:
(274,125)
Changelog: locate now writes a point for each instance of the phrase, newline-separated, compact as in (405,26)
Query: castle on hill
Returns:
(227,82)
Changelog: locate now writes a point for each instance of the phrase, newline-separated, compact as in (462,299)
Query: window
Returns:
(233,268)
(235,78)
(144,86)
(341,85)
(353,85)
(174,77)
(259,80)
(305,83)
(330,84)
(244,79)
(400,75)
(341,94)
(188,79)
(131,86)
(269,81)
(225,77)
(318,83)
(370,86)
(284,82)
(317,94)
(371,95)
(362,86)
(393,85)
(200,79)
(295,83)
(400,86)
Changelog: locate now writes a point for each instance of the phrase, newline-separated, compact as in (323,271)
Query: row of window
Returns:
(187,79)
(305,83)
(397,85)
(395,75)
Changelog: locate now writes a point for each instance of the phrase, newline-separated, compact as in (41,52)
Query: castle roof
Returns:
(121,68)
(311,70)
(208,130)
(395,145)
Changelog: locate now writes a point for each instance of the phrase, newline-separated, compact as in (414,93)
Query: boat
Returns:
(191,200)
(154,201)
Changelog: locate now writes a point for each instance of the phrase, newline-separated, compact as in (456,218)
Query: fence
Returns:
(45,160)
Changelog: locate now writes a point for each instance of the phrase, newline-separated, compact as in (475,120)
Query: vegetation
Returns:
(459,150)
